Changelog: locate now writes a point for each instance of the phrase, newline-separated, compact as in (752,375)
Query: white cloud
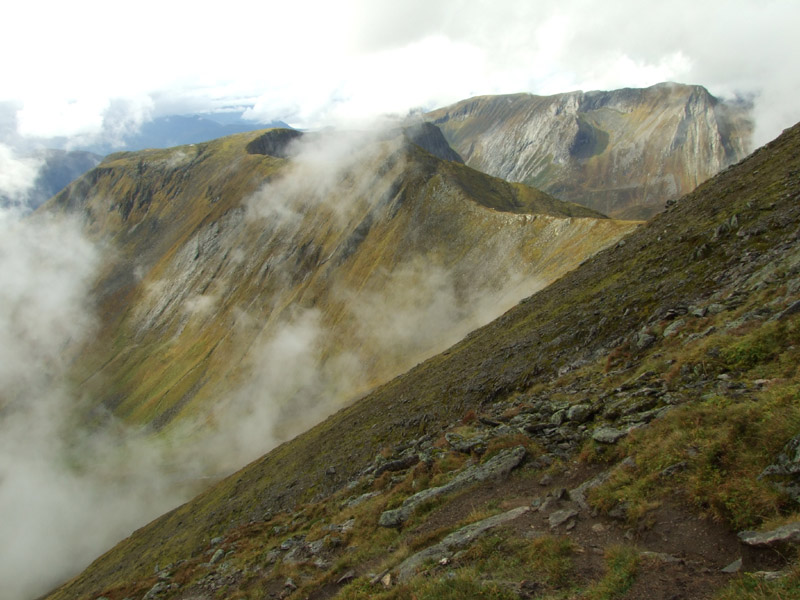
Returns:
(313,61)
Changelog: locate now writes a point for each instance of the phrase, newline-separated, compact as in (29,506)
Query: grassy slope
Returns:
(153,208)
(695,253)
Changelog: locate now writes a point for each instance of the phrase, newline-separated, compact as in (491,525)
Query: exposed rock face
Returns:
(624,152)
(429,137)
(275,142)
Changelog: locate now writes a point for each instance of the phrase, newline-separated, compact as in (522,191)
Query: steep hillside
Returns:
(624,152)
(270,277)
(654,391)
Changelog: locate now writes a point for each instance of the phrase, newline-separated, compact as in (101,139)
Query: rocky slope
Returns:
(618,429)
(623,152)
(272,276)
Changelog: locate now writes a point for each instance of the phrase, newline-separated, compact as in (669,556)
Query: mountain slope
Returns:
(623,152)
(691,323)
(372,251)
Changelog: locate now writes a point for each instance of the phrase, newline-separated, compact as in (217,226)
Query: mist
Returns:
(305,364)
(68,489)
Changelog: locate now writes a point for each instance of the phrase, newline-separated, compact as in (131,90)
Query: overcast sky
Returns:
(86,67)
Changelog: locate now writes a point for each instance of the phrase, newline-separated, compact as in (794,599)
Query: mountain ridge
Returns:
(623,152)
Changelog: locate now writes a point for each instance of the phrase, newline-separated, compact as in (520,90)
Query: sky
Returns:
(96,70)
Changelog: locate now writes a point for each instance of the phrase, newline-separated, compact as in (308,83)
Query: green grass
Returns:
(750,586)
(622,563)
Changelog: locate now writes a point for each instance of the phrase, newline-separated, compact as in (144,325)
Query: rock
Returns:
(608,435)
(784,473)
(644,340)
(386,580)
(217,540)
(459,443)
(620,511)
(348,576)
(673,469)
(560,517)
(661,557)
(290,584)
(787,534)
(787,462)
(161,586)
(673,328)
(497,467)
(360,499)
(316,547)
(331,470)
(734,567)
(457,539)
(579,413)
(558,417)
(792,309)
(578,494)
(218,555)
(546,480)
(400,464)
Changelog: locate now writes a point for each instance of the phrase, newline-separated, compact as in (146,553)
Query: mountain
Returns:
(618,428)
(281,274)
(624,152)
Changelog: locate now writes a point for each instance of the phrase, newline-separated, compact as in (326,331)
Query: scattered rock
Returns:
(579,413)
(787,534)
(457,539)
(497,467)
(673,328)
(673,469)
(786,466)
(161,586)
(644,341)
(290,584)
(360,499)
(734,567)
(218,555)
(546,480)
(661,557)
(348,576)
(560,517)
(608,435)
(400,464)
(459,443)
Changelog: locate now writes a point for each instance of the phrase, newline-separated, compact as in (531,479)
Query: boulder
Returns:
(496,467)
(458,539)
(608,435)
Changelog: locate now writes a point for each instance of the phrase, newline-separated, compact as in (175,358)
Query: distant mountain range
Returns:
(623,153)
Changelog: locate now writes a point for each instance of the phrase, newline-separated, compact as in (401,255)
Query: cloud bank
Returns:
(312,63)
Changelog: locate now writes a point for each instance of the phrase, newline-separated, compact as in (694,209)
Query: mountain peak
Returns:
(623,152)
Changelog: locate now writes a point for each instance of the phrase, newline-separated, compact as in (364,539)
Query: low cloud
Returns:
(68,488)
(17,178)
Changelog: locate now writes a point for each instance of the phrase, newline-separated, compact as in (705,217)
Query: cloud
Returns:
(68,488)
(311,63)
(17,177)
